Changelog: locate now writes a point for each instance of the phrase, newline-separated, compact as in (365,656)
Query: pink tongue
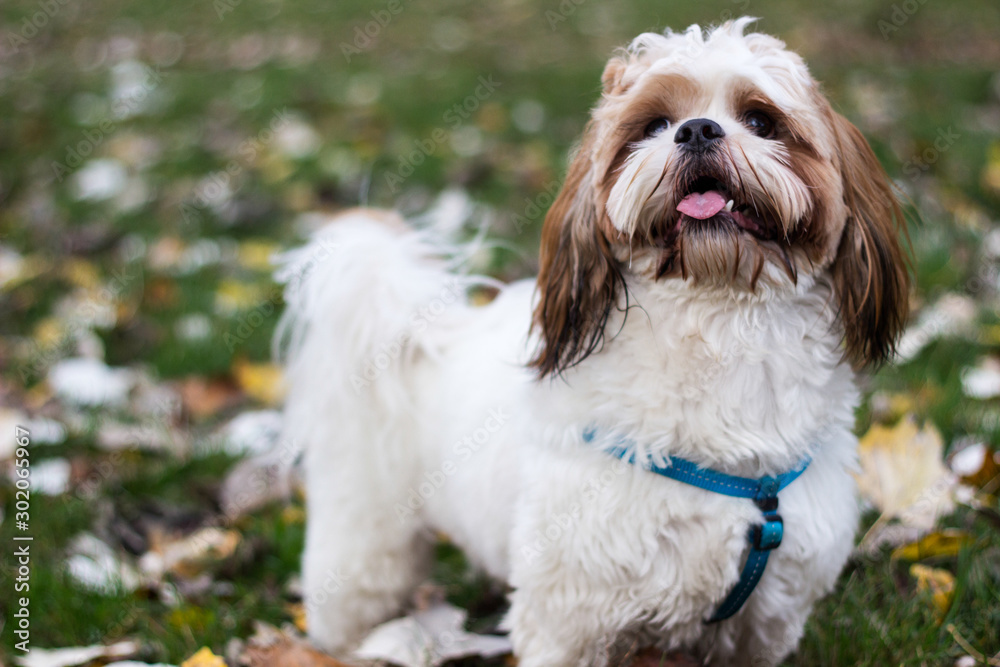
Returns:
(702,205)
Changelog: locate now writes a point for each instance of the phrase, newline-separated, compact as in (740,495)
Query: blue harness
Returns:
(763,491)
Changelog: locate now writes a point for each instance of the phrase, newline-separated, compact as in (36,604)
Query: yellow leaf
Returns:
(941,543)
(940,583)
(293,514)
(49,333)
(990,335)
(204,658)
(298,613)
(991,172)
(264,382)
(232,296)
(903,475)
(256,254)
(81,273)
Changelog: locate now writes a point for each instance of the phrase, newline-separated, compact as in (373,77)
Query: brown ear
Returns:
(870,271)
(614,72)
(578,281)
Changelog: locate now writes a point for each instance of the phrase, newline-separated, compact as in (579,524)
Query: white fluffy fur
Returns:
(419,417)
(600,554)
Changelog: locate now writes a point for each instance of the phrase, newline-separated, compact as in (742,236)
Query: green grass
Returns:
(937,71)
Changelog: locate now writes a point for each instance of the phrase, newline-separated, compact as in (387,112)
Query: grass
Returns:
(936,72)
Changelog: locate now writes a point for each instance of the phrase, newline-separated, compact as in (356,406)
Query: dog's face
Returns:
(715,159)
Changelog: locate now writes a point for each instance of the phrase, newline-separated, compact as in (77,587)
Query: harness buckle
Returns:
(768,535)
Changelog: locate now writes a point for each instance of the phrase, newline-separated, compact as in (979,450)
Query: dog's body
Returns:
(421,414)
(456,435)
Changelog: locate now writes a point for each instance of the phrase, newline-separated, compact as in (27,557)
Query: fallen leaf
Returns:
(888,408)
(90,382)
(976,464)
(258,481)
(263,382)
(204,398)
(99,568)
(429,638)
(115,436)
(189,555)
(271,647)
(940,543)
(253,432)
(950,315)
(297,611)
(71,657)
(9,420)
(204,658)
(50,477)
(940,583)
(233,296)
(983,381)
(256,255)
(903,475)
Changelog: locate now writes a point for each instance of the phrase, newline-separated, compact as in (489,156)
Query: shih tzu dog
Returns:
(611,439)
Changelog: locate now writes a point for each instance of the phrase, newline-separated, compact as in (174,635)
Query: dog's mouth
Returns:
(709,201)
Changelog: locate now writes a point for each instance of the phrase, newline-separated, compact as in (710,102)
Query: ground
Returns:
(153,156)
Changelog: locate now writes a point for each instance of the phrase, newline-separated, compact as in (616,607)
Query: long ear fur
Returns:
(870,271)
(579,280)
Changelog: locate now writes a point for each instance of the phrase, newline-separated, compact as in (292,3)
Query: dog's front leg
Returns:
(569,607)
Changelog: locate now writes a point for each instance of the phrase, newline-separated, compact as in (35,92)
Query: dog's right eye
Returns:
(655,127)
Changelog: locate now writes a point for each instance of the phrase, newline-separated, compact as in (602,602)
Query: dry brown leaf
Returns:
(203,397)
(976,464)
(273,647)
(287,653)
(190,555)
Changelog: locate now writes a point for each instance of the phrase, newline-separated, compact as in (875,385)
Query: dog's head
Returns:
(713,158)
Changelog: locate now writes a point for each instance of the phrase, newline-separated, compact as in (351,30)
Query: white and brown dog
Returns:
(723,255)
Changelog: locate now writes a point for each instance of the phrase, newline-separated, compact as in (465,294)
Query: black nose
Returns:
(699,134)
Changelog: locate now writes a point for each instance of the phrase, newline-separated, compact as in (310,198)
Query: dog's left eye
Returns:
(760,124)
(655,127)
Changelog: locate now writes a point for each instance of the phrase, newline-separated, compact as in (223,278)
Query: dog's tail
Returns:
(368,300)
(361,298)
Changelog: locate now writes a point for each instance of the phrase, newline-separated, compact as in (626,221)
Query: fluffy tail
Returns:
(365,299)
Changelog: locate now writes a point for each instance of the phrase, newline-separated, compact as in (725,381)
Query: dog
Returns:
(726,253)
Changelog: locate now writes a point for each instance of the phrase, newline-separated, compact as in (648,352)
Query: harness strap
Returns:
(763,491)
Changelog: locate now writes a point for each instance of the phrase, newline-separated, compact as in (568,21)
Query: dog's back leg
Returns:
(352,350)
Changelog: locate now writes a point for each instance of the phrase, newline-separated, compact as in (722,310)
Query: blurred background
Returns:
(154,156)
